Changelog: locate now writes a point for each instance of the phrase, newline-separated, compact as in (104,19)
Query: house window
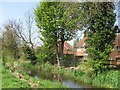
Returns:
(117,47)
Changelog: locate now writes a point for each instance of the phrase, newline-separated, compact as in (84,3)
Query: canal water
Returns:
(70,83)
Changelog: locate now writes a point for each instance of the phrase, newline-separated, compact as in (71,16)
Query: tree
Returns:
(57,22)
(25,32)
(10,48)
(101,33)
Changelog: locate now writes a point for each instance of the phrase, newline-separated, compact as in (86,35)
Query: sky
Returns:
(15,10)
(117,11)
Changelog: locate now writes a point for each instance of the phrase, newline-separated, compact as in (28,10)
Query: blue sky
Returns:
(15,10)
(117,11)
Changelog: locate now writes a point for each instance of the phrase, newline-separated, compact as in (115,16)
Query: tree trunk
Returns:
(57,55)
(62,47)
(62,55)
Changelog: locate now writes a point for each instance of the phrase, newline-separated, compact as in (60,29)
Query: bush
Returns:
(46,54)
(29,54)
(46,67)
(69,60)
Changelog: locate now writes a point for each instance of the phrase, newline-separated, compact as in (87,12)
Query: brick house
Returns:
(115,53)
(82,54)
(81,50)
(67,48)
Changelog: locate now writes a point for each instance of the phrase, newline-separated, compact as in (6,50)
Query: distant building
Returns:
(82,54)
(67,48)
(81,50)
(115,53)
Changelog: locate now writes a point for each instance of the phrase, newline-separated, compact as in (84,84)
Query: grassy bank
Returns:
(108,79)
(10,81)
(40,83)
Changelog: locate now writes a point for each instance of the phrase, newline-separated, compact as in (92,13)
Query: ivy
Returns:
(101,35)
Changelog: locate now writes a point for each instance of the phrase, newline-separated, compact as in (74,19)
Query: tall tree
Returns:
(101,33)
(58,22)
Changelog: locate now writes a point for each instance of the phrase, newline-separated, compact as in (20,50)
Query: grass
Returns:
(10,81)
(107,79)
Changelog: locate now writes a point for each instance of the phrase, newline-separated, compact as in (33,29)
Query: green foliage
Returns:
(3,57)
(7,60)
(10,63)
(57,22)
(29,54)
(85,78)
(9,41)
(68,60)
(28,66)
(101,35)
(52,17)
(46,54)
(10,50)
(47,67)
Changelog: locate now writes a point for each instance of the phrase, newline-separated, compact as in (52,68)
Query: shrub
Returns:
(46,54)
(29,54)
(46,67)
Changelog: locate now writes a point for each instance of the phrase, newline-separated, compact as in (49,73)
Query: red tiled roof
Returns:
(67,48)
(117,56)
(117,40)
(81,42)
